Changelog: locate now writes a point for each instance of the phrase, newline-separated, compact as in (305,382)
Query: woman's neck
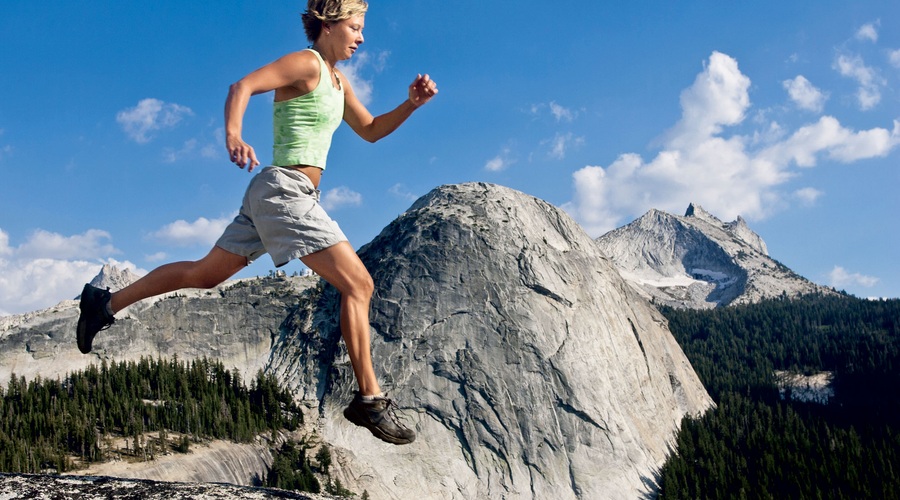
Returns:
(328,61)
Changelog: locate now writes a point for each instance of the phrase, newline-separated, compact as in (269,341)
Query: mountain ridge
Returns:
(698,261)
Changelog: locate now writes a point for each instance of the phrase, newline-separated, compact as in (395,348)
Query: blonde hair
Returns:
(320,12)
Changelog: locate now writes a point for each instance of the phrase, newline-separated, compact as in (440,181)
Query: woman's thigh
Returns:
(217,266)
(340,266)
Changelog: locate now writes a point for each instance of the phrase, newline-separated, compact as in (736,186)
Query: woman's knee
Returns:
(207,280)
(361,286)
(215,268)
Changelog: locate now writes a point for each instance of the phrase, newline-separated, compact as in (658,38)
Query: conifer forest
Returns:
(56,424)
(760,442)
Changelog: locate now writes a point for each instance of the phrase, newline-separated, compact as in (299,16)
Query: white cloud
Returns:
(400,191)
(215,147)
(156,257)
(210,151)
(46,245)
(341,196)
(699,163)
(353,69)
(500,162)
(868,78)
(561,113)
(171,155)
(868,32)
(840,278)
(150,115)
(894,58)
(496,164)
(808,196)
(804,94)
(49,267)
(829,136)
(561,143)
(208,148)
(717,98)
(4,244)
(202,231)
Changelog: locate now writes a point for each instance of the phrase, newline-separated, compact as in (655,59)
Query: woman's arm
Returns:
(370,128)
(298,72)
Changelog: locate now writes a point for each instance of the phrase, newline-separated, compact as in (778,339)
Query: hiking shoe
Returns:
(378,416)
(94,316)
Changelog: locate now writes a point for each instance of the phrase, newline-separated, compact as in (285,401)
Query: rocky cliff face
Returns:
(698,261)
(236,323)
(528,366)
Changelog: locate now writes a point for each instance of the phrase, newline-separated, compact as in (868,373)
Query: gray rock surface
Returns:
(236,323)
(55,487)
(113,278)
(528,366)
(697,261)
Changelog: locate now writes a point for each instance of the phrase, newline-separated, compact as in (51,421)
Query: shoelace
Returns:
(392,406)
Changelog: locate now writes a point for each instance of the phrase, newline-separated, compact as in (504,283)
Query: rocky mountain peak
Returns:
(694,210)
(742,231)
(698,261)
(113,278)
(527,365)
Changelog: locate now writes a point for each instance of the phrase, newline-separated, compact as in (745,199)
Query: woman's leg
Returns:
(216,267)
(340,266)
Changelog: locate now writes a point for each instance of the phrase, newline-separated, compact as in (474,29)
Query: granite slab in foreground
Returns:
(47,486)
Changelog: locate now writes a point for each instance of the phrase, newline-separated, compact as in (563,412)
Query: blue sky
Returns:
(786,113)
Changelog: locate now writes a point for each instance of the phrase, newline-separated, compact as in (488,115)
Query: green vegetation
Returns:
(291,470)
(756,444)
(45,424)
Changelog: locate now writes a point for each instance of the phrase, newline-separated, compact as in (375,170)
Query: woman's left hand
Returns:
(421,90)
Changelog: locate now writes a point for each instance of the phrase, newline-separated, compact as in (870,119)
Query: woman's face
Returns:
(346,36)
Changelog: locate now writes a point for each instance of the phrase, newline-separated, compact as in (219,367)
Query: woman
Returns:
(280,213)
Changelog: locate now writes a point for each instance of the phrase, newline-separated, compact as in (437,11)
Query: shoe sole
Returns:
(82,337)
(81,331)
(85,344)
(377,432)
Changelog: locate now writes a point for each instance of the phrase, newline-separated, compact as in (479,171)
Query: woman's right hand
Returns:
(240,153)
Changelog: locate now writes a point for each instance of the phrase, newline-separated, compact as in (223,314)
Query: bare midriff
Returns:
(314,173)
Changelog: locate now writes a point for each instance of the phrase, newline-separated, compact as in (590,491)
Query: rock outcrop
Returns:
(529,368)
(236,323)
(102,488)
(697,261)
(113,278)
(527,365)
(235,463)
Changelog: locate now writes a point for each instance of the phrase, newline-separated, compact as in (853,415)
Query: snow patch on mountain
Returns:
(697,261)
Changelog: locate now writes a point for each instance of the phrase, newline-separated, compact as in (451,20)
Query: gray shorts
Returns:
(280,215)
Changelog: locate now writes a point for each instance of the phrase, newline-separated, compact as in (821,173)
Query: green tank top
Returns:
(303,126)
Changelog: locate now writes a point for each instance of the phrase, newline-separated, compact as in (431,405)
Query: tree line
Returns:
(44,424)
(759,444)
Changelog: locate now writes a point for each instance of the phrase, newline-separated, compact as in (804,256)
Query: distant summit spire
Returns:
(113,278)
(694,210)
